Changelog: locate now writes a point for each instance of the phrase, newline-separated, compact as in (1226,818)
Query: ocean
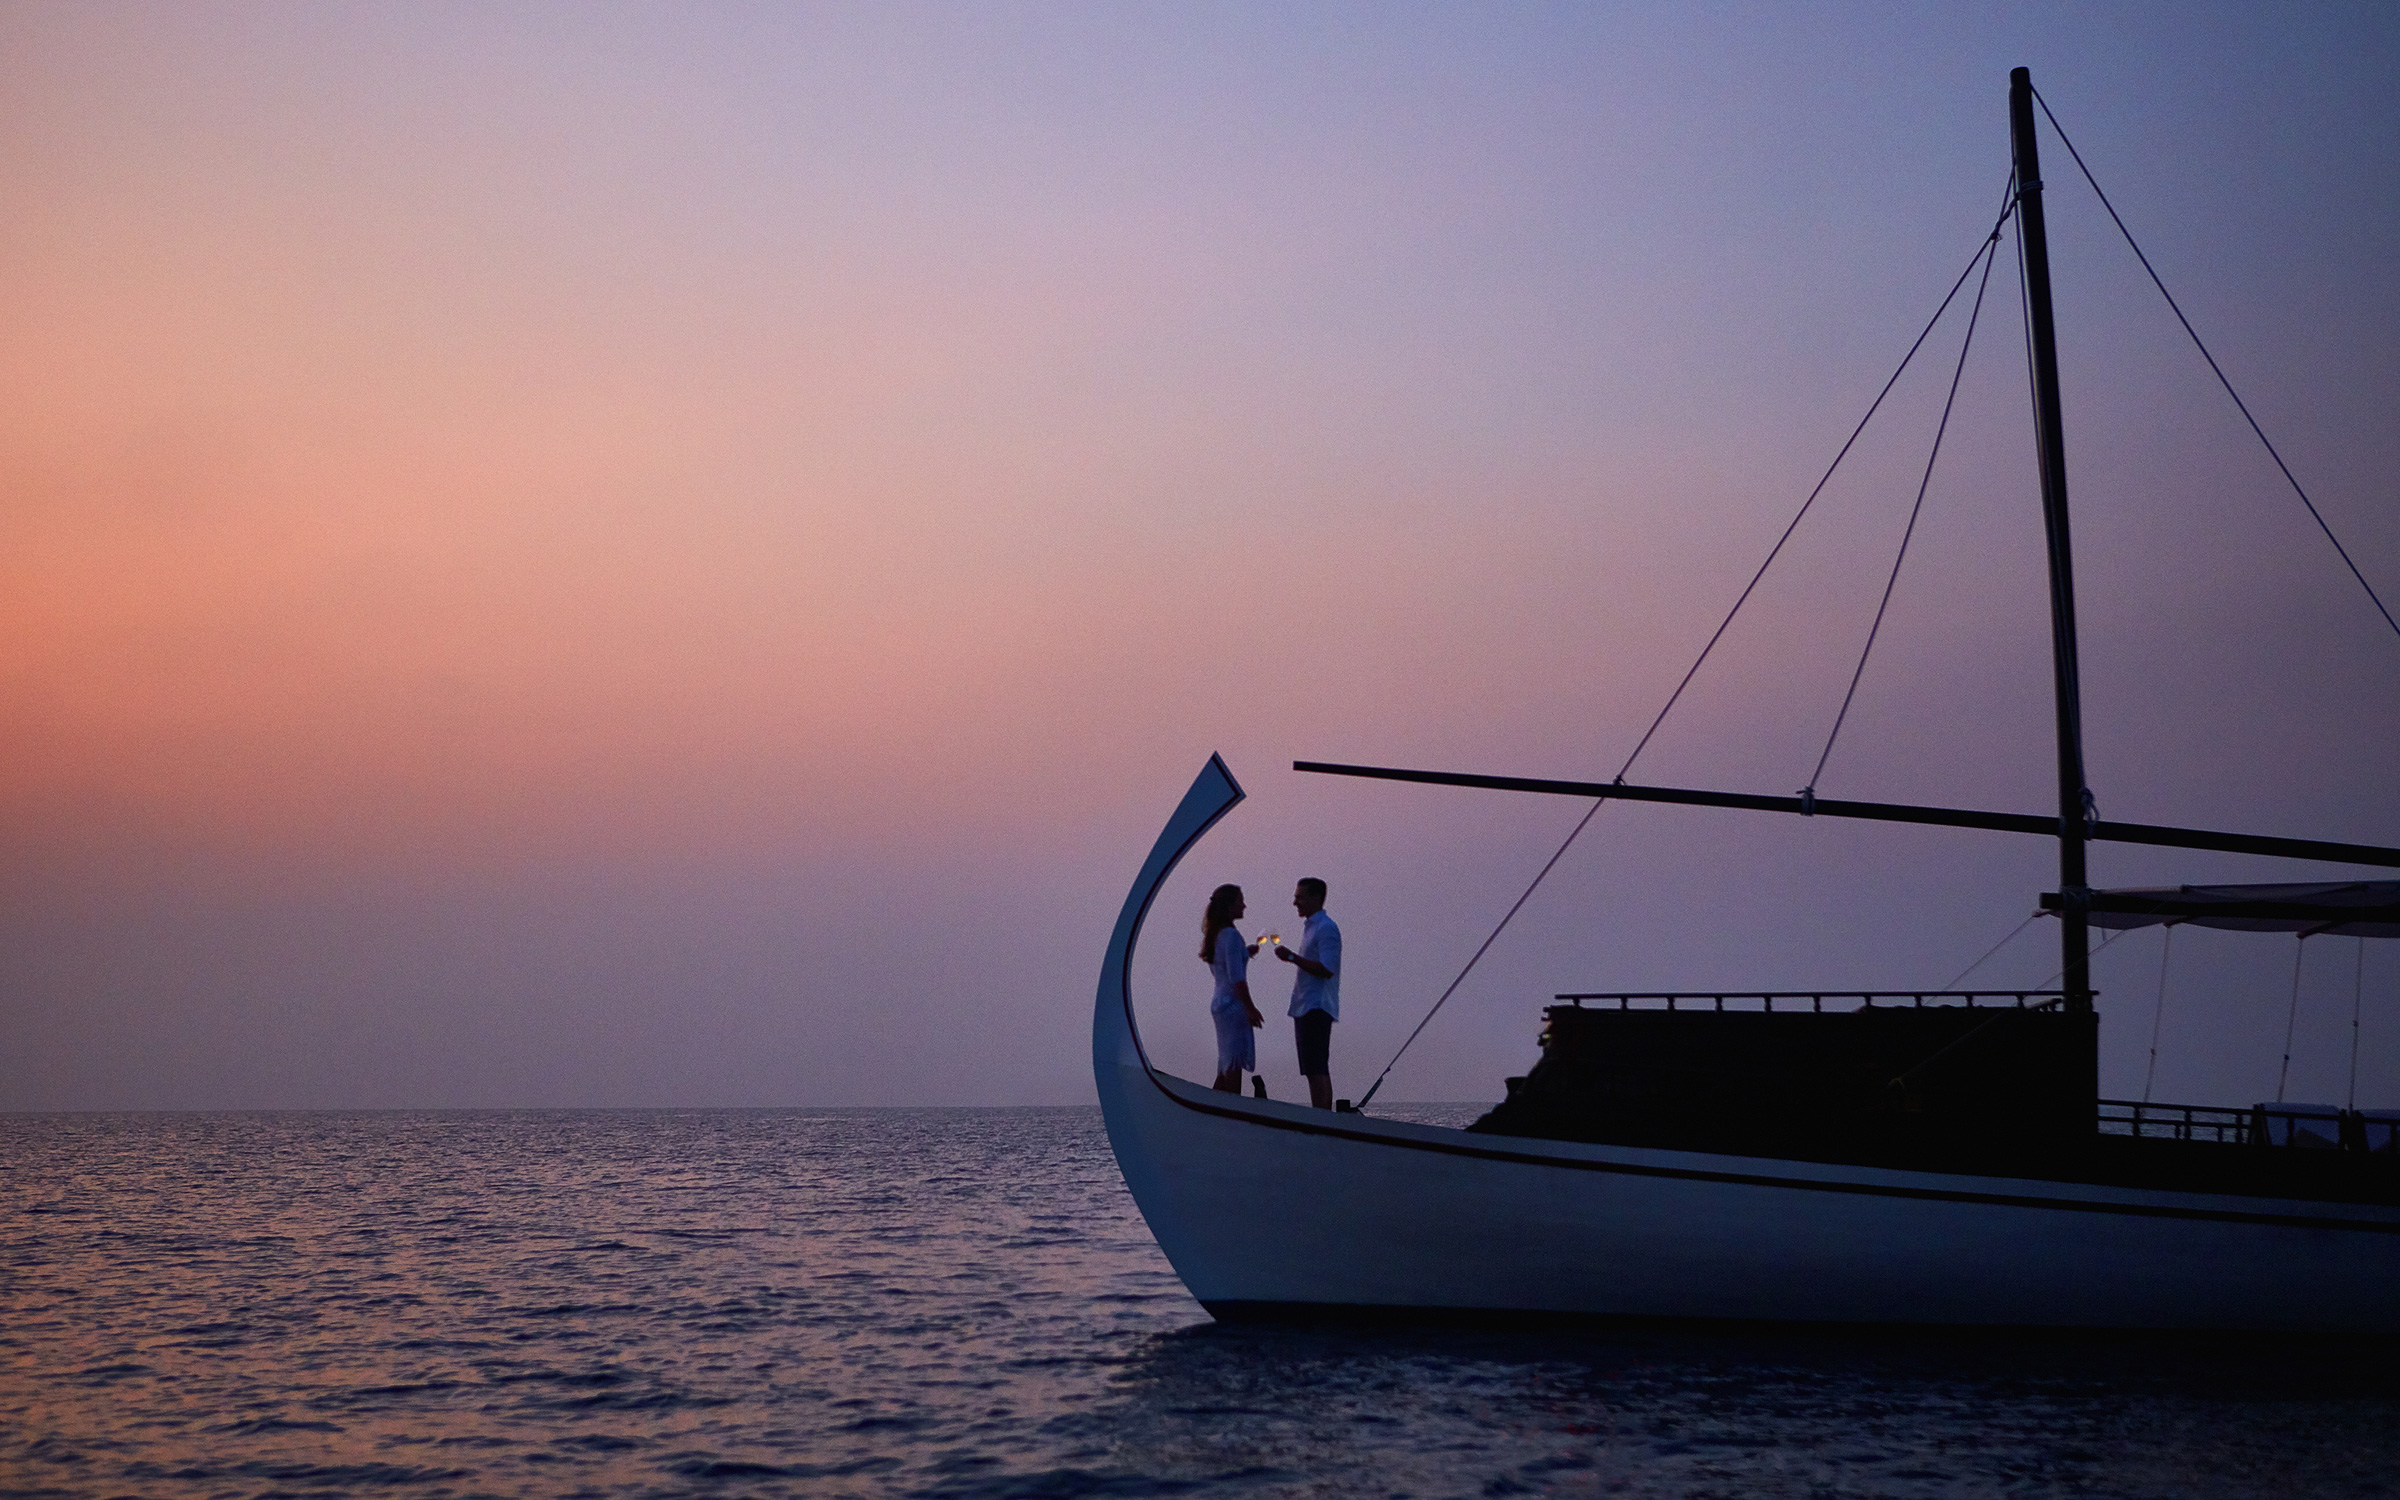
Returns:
(948,1303)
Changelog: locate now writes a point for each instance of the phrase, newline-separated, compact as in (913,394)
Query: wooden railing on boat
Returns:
(1843,999)
(2319,1127)
(2177,1122)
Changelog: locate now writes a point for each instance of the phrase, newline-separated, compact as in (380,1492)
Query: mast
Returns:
(2074,799)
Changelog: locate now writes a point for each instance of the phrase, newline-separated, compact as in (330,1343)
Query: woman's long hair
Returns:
(1221,903)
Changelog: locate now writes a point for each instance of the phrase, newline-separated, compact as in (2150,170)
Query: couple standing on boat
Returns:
(1316,989)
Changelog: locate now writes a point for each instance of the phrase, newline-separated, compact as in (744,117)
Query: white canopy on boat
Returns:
(2354,908)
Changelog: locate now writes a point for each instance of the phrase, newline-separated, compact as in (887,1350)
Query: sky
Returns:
(667,556)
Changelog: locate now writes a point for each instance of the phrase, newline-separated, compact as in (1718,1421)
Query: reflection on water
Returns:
(947,1303)
(1457,1412)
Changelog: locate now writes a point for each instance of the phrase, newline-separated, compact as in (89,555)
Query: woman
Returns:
(1228,959)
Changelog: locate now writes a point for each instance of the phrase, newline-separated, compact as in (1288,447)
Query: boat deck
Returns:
(1981,1083)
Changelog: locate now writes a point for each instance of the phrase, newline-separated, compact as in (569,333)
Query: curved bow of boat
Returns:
(1117,1054)
(1143,1130)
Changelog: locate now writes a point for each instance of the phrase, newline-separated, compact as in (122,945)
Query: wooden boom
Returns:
(1892,812)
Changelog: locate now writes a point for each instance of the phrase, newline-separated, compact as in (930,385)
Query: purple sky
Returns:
(642,556)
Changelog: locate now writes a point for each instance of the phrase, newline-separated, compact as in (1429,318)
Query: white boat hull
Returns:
(1266,1208)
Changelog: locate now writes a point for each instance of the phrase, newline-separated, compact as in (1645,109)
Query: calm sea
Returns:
(943,1303)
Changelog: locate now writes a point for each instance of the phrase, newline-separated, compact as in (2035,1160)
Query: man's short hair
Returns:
(1312,883)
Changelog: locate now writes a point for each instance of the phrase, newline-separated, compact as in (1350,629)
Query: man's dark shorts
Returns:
(1315,1030)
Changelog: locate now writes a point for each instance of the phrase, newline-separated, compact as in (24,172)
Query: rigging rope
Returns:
(2218,371)
(2358,995)
(2036,915)
(1826,478)
(2166,951)
(2291,1020)
(2055,976)
(1940,430)
(1588,814)
(1598,803)
(2105,944)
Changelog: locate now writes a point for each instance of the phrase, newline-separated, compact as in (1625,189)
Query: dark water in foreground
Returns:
(943,1303)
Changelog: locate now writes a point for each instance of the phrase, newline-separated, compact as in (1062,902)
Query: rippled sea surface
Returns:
(946,1303)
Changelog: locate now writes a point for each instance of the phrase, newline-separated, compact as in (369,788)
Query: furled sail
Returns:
(2356,908)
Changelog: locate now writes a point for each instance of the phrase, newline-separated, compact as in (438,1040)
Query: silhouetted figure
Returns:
(1228,960)
(1316,989)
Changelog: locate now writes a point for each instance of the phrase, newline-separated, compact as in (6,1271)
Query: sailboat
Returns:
(1798,1157)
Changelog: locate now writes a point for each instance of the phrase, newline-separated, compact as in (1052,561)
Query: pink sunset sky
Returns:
(576,555)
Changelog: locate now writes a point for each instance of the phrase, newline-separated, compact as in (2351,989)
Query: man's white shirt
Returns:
(1322,941)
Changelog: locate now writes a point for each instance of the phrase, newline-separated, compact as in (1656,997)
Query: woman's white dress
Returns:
(1237,1042)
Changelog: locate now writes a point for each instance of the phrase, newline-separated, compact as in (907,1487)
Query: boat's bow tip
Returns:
(1216,764)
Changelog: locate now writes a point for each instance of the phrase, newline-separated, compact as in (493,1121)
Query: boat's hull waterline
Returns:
(1267,1208)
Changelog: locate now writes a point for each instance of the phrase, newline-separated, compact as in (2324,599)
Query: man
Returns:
(1316,989)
